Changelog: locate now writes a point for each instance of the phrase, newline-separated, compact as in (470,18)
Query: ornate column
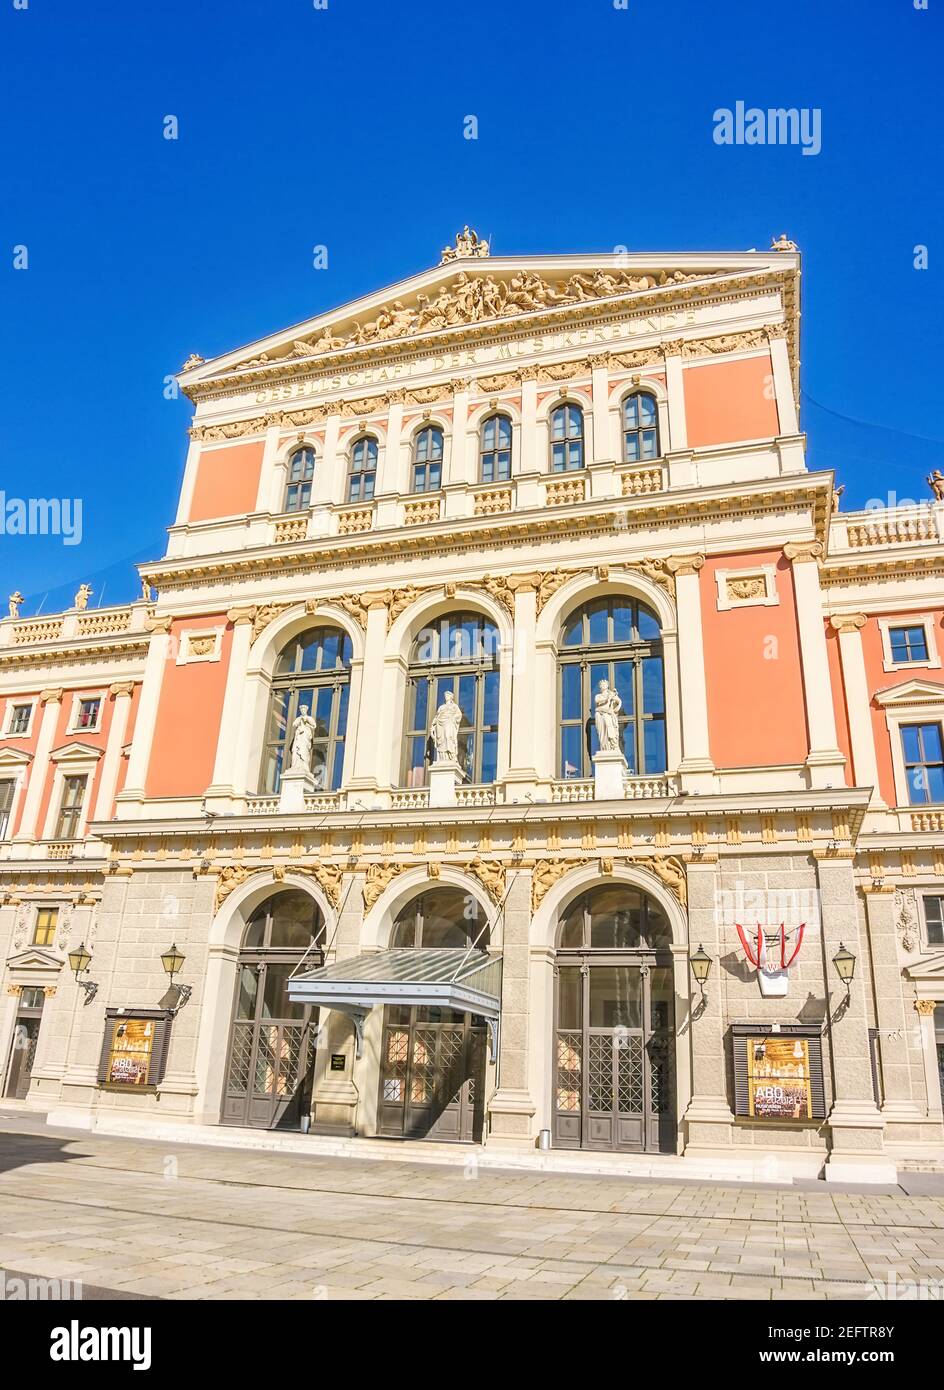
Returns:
(512,1108)
(121,692)
(824,760)
(856,1126)
(925,1011)
(223,788)
(334,1099)
(458,476)
(783,380)
(709,1122)
(855,681)
(898,1104)
(696,768)
(388,475)
(154,667)
(51,701)
(269,494)
(364,719)
(525,726)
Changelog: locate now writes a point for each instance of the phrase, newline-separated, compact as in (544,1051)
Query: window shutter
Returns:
(106,1046)
(817,1087)
(159,1050)
(741,1096)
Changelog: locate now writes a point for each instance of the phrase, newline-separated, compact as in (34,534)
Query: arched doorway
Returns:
(614,1057)
(432,1067)
(272,1040)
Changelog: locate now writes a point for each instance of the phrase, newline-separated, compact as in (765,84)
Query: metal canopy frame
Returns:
(468,981)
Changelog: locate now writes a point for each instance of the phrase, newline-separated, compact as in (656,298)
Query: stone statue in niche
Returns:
(607,706)
(444,730)
(303,738)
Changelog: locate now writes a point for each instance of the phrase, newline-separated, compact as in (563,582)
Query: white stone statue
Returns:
(82,596)
(15,599)
(444,730)
(607,705)
(303,738)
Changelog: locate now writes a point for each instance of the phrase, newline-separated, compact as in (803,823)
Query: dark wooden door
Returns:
(23,1046)
(614,1062)
(432,1075)
(272,1051)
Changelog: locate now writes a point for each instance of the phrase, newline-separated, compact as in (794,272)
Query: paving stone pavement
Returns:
(185,1222)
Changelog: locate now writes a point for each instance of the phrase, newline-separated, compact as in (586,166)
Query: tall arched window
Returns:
(427,459)
(619,640)
(272,1040)
(640,427)
(363,470)
(458,652)
(495,450)
(312,675)
(301,470)
(566,438)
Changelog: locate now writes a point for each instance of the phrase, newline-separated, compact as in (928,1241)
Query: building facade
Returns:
(701,730)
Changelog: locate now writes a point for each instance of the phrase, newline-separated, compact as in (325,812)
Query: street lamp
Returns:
(79,961)
(845,963)
(172,960)
(700,961)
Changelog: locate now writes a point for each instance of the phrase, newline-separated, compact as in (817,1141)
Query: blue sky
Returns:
(343,126)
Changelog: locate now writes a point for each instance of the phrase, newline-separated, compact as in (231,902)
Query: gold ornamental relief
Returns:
(491,874)
(379,877)
(329,876)
(547,872)
(753,587)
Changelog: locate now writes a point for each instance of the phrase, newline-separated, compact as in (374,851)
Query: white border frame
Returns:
(771,598)
(78,698)
(186,657)
(16,702)
(919,620)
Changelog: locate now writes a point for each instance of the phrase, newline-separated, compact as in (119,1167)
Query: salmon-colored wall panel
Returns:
(728,401)
(188,718)
(839,702)
(227,481)
(880,679)
(756,707)
(22,745)
(90,739)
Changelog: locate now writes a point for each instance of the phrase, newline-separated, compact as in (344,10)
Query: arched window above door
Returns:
(441,918)
(618,639)
(312,675)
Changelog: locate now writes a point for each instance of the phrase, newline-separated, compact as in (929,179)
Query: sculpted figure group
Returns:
(471,298)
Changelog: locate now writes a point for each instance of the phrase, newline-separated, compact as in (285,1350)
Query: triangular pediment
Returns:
(75,752)
(12,758)
(34,960)
(471,289)
(913,692)
(927,968)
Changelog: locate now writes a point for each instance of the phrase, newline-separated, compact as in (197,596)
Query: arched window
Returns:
(442,918)
(640,427)
(619,640)
(272,1041)
(495,450)
(566,438)
(427,459)
(363,470)
(458,652)
(312,675)
(301,470)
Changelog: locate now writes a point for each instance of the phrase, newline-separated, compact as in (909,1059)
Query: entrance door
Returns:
(25,1038)
(272,1051)
(432,1075)
(613,1059)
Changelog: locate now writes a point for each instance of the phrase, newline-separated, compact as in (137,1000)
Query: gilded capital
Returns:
(803,551)
(121,688)
(925,1007)
(159,625)
(240,616)
(51,697)
(847,622)
(684,564)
